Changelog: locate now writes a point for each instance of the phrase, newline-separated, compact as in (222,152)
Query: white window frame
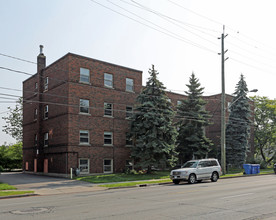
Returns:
(35,140)
(128,112)
(46,83)
(111,166)
(84,74)
(46,139)
(179,102)
(108,109)
(129,85)
(108,133)
(88,166)
(82,107)
(46,111)
(107,80)
(82,136)
(35,114)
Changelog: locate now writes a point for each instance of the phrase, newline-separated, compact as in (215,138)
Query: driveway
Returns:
(46,185)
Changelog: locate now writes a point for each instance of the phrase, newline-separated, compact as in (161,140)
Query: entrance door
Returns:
(35,165)
(45,170)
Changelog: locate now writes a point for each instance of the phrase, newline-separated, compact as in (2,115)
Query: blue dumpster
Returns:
(247,168)
(254,168)
(258,168)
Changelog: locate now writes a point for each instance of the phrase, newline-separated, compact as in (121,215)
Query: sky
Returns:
(179,37)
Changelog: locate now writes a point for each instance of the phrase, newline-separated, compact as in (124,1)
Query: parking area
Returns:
(46,185)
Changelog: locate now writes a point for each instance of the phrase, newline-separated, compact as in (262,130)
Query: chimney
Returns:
(41,60)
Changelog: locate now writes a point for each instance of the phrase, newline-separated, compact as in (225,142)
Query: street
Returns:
(249,198)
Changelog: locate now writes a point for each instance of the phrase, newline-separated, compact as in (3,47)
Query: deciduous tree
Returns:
(265,128)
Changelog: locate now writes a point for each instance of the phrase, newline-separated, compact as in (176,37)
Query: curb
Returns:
(167,183)
(19,196)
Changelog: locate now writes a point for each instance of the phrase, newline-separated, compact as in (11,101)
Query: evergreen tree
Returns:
(191,141)
(238,126)
(152,127)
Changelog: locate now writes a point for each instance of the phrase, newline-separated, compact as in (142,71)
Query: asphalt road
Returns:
(248,198)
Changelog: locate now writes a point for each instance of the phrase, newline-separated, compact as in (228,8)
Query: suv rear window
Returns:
(214,163)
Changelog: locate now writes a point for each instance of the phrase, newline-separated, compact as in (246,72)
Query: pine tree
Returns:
(238,126)
(191,141)
(152,127)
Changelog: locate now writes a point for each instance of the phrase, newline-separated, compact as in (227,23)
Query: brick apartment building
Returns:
(75,115)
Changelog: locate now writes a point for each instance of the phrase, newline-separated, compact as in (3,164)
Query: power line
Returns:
(17,58)
(168,34)
(17,71)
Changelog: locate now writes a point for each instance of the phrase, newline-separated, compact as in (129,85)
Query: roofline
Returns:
(92,59)
(88,58)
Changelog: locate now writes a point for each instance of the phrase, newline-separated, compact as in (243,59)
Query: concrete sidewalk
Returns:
(45,185)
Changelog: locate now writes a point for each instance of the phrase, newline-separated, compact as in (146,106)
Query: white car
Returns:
(196,171)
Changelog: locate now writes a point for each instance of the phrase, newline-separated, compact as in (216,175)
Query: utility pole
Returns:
(222,138)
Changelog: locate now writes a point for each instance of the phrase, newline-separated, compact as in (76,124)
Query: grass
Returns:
(122,177)
(5,186)
(12,193)
(5,190)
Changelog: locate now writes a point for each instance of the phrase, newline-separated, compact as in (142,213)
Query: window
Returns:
(84,137)
(35,140)
(179,102)
(46,139)
(108,166)
(129,85)
(129,165)
(169,100)
(228,106)
(84,75)
(129,111)
(84,106)
(108,80)
(129,141)
(108,109)
(108,138)
(35,114)
(46,82)
(84,165)
(46,112)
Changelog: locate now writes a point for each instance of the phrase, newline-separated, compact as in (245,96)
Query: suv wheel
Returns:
(176,181)
(192,179)
(214,177)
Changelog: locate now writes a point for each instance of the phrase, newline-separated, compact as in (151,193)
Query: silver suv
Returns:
(197,170)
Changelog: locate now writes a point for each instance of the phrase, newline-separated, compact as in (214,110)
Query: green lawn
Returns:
(5,190)
(122,177)
(11,193)
(5,186)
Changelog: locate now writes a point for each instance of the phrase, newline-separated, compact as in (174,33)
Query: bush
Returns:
(1,169)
